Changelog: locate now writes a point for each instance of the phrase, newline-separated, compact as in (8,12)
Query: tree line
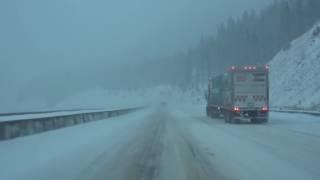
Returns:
(254,38)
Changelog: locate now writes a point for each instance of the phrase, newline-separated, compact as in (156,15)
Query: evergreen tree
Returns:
(254,38)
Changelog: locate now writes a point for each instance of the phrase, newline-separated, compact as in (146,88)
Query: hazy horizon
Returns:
(55,38)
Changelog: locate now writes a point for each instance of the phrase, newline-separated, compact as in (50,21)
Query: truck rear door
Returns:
(250,89)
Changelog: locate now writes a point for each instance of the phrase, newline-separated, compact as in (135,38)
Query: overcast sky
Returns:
(111,28)
(37,36)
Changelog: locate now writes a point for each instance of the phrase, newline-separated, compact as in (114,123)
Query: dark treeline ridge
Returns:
(253,38)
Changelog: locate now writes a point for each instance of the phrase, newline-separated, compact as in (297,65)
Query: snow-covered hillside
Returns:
(295,73)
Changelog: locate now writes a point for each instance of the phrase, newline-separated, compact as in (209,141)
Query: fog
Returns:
(52,49)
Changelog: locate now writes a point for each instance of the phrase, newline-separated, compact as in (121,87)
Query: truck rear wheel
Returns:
(225,116)
(214,114)
(264,120)
(228,117)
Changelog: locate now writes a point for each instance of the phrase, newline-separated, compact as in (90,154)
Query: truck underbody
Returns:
(230,115)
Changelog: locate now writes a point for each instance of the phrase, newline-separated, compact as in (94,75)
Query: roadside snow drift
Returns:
(295,73)
(65,153)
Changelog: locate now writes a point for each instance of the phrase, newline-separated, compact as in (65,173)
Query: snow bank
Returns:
(67,152)
(112,99)
(295,73)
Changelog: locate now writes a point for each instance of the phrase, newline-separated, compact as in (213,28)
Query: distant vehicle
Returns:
(240,94)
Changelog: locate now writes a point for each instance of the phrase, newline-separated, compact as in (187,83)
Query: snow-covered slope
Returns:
(295,73)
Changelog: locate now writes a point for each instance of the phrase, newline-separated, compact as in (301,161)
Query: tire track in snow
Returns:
(164,150)
(297,148)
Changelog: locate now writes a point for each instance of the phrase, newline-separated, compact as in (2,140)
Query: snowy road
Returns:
(169,143)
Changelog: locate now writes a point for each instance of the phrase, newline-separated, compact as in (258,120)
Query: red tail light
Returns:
(236,109)
(265,109)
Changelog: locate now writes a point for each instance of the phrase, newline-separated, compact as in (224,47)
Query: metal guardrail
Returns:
(44,111)
(18,128)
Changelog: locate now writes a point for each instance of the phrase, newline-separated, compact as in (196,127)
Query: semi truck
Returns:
(240,94)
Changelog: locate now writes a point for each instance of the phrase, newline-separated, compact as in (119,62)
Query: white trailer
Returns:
(241,94)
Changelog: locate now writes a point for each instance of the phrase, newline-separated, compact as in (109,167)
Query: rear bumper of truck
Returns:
(244,114)
(254,115)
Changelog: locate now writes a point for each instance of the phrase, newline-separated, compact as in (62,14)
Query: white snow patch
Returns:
(45,115)
(295,74)
(65,153)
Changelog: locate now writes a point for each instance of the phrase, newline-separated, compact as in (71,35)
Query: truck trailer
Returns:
(242,93)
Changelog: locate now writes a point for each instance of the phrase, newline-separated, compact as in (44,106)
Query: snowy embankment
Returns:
(47,115)
(65,153)
(295,73)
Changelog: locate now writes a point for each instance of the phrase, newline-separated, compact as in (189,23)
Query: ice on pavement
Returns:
(285,148)
(300,123)
(240,158)
(294,117)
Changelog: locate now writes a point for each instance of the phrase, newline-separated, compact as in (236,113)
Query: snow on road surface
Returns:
(65,153)
(169,143)
(164,151)
(277,150)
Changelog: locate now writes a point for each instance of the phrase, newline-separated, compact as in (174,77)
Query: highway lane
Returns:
(283,148)
(179,145)
(173,142)
(164,150)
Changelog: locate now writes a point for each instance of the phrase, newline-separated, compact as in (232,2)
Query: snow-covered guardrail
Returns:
(315,113)
(44,111)
(14,126)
